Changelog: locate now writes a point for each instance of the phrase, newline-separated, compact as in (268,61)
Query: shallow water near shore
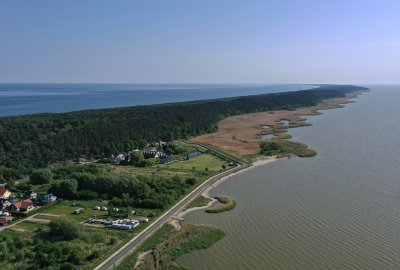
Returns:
(338,210)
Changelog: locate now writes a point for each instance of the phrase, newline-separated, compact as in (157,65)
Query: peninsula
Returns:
(134,168)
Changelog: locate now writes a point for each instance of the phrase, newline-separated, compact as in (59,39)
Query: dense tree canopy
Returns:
(87,182)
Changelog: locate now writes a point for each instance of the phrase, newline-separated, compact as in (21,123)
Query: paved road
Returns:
(129,247)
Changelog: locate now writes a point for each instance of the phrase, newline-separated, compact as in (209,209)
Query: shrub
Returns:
(41,176)
(65,229)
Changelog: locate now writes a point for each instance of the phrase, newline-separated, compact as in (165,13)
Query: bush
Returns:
(41,176)
(65,229)
(190,181)
(271,148)
(65,189)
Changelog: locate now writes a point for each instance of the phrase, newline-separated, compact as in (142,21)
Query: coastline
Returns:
(176,219)
(260,161)
(334,103)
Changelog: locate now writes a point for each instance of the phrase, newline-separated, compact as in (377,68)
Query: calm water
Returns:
(16,99)
(339,210)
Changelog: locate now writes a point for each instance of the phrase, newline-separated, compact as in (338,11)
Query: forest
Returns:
(33,141)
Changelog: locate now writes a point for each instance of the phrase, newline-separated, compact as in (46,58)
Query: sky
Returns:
(207,41)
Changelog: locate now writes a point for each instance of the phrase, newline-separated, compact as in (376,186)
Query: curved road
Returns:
(129,247)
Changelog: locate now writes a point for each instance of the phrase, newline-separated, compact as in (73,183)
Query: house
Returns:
(150,154)
(30,195)
(165,160)
(49,198)
(4,204)
(23,206)
(4,220)
(117,158)
(4,193)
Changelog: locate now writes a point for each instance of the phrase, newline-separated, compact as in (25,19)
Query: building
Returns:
(49,198)
(4,193)
(117,158)
(4,203)
(150,154)
(30,195)
(4,220)
(23,206)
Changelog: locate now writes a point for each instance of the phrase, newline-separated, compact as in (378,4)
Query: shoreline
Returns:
(178,218)
(263,160)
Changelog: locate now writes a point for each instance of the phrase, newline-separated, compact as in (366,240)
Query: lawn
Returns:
(67,207)
(194,167)
(199,163)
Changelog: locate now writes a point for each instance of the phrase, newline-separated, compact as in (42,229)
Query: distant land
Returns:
(19,99)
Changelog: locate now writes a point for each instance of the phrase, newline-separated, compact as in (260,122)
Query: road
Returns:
(129,247)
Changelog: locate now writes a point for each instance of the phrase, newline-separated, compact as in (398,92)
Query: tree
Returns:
(65,189)
(136,158)
(41,176)
(65,229)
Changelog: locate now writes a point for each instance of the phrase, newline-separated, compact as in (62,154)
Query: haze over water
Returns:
(338,210)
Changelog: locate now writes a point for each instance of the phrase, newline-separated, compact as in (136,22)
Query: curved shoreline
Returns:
(176,221)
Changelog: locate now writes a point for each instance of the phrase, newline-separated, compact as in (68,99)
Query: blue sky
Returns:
(207,41)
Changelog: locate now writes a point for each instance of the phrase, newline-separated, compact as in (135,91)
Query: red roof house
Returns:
(23,206)
(4,193)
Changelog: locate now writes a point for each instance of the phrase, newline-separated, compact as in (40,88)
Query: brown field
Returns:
(239,135)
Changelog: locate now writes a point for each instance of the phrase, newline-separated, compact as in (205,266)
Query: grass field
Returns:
(199,163)
(66,208)
(194,167)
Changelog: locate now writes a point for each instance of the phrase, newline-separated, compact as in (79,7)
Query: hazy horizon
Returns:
(227,41)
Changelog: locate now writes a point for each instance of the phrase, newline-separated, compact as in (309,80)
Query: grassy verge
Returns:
(199,202)
(228,203)
(167,244)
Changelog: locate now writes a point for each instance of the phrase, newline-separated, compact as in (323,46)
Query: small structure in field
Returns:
(165,160)
(78,211)
(193,154)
